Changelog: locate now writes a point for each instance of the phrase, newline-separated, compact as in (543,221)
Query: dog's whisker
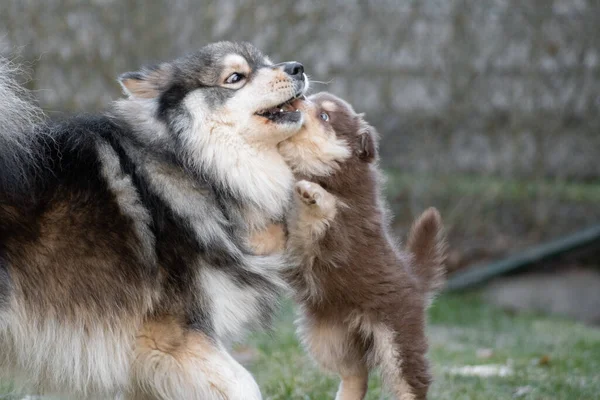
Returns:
(323,82)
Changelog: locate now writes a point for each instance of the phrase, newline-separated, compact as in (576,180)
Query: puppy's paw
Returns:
(309,193)
(317,200)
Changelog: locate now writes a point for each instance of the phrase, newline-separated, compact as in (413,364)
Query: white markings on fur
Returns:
(141,115)
(329,106)
(219,144)
(18,120)
(315,212)
(328,344)
(353,387)
(332,347)
(18,115)
(314,153)
(234,63)
(128,199)
(83,357)
(196,370)
(233,308)
(386,356)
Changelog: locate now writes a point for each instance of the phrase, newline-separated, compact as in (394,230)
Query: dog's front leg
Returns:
(175,363)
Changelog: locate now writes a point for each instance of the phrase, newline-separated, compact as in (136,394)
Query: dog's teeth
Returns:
(281,110)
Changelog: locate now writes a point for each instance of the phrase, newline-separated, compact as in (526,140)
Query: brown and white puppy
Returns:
(362,300)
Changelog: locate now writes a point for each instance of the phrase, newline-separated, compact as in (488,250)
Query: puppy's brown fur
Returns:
(362,300)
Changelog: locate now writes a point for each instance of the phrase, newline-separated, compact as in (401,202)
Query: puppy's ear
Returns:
(147,83)
(368,137)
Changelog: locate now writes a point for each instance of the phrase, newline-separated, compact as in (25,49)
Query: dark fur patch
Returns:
(171,99)
(5,282)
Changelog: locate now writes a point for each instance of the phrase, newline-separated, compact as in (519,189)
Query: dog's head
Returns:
(332,133)
(223,85)
(221,112)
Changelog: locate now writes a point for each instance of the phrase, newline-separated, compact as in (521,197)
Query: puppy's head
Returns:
(332,134)
(222,89)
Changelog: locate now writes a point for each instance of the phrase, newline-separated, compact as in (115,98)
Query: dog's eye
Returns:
(234,78)
(324,116)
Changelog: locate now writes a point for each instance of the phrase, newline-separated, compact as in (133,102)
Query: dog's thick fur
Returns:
(125,265)
(362,301)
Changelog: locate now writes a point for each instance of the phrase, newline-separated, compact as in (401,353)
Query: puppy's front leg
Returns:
(315,211)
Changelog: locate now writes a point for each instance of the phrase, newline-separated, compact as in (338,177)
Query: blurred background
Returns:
(488,109)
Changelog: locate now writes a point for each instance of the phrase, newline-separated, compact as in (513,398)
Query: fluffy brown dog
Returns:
(362,301)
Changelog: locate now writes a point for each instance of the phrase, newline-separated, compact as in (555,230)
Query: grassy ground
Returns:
(526,356)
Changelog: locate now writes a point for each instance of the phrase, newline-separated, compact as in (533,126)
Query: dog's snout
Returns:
(294,69)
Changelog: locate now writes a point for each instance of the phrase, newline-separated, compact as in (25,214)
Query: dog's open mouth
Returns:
(283,112)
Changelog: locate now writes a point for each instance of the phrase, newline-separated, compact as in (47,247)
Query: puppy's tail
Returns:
(427,244)
(19,117)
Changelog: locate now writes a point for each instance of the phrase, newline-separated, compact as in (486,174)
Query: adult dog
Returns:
(124,255)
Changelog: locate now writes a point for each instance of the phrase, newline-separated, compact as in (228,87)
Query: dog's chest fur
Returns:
(201,233)
(226,279)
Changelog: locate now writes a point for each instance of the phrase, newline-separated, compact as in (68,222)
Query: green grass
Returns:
(547,358)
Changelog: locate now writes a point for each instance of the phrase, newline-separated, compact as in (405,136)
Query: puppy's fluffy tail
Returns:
(427,244)
(19,117)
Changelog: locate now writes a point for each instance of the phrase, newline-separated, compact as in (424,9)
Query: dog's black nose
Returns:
(294,69)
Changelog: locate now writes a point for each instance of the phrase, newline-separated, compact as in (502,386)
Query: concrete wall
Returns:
(503,87)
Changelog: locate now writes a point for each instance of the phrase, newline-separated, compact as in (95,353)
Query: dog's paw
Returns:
(309,193)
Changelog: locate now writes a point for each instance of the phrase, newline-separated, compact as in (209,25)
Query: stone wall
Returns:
(502,87)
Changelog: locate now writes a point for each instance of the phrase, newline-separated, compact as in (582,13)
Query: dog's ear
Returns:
(368,137)
(147,83)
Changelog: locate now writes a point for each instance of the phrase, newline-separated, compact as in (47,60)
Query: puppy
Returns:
(362,300)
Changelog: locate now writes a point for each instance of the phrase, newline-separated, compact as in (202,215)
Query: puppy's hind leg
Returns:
(354,384)
(403,372)
(173,363)
(338,350)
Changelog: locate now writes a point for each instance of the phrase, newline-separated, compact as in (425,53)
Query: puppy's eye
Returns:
(234,78)
(324,116)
